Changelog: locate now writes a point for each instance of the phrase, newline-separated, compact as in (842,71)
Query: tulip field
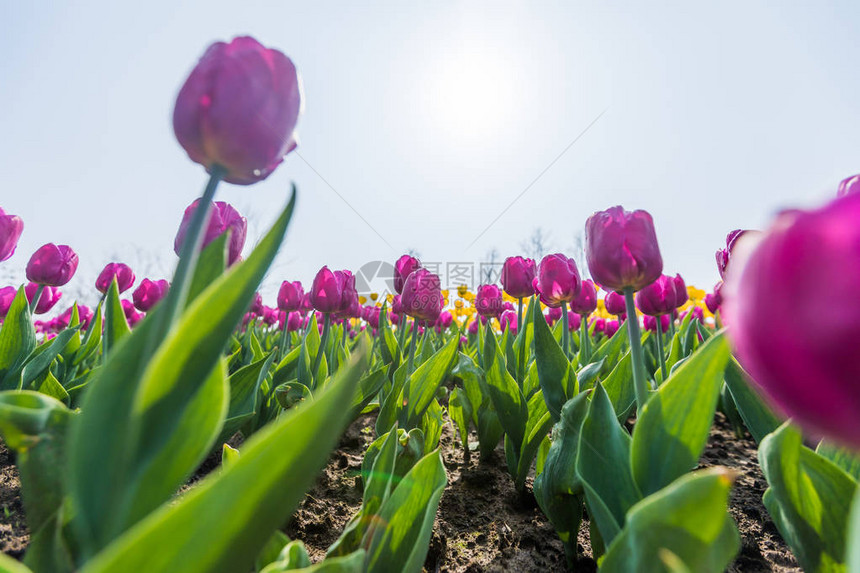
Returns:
(551,422)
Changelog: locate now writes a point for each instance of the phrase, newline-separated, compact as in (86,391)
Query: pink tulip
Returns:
(585,302)
(610,328)
(404,267)
(488,300)
(614,302)
(123,273)
(422,296)
(238,110)
(333,291)
(622,250)
(517,277)
(662,296)
(50,297)
(371,315)
(148,293)
(11,227)
(574,320)
(290,296)
(222,217)
(508,320)
(557,280)
(52,265)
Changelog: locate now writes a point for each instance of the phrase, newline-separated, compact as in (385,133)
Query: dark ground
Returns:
(482,523)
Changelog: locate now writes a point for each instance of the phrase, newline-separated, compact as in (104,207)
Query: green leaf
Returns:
(399,539)
(845,458)
(92,338)
(210,266)
(44,356)
(10,565)
(17,341)
(619,387)
(460,411)
(272,550)
(244,386)
(538,424)
(136,401)
(687,520)
(49,385)
(603,464)
(808,499)
(368,388)
(852,558)
(758,418)
(237,509)
(553,367)
(674,424)
(503,390)
(116,326)
(420,388)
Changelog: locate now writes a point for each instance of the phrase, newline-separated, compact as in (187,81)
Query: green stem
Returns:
(283,349)
(189,253)
(412,344)
(639,383)
(663,370)
(321,349)
(565,333)
(584,341)
(39,290)
(521,355)
(520,314)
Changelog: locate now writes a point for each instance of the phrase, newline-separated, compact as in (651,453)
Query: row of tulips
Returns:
(109,422)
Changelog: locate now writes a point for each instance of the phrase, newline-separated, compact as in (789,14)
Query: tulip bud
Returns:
(662,296)
(131,314)
(333,291)
(723,256)
(610,328)
(148,293)
(574,320)
(585,302)
(11,227)
(553,314)
(517,277)
(52,265)
(488,300)
(7,295)
(621,249)
(290,296)
(614,302)
(238,109)
(422,296)
(50,297)
(222,217)
(404,266)
(714,300)
(123,273)
(557,280)
(795,343)
(508,320)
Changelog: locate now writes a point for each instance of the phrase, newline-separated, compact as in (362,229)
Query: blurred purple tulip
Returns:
(238,109)
(123,273)
(473,327)
(553,314)
(715,299)
(614,302)
(574,320)
(11,227)
(585,302)
(222,217)
(7,295)
(404,267)
(610,328)
(622,250)
(723,256)
(846,186)
(518,275)
(148,293)
(131,314)
(650,322)
(508,320)
(662,296)
(50,297)
(52,265)
(290,296)
(488,300)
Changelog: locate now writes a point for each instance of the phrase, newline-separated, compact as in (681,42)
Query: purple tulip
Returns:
(270,315)
(422,296)
(131,314)
(650,322)
(52,265)
(371,315)
(696,311)
(333,291)
(488,300)
(123,273)
(222,217)
(290,296)
(553,314)
(508,320)
(353,309)
(50,297)
(585,302)
(148,293)
(662,296)
(473,327)
(518,275)
(622,250)
(238,109)
(557,280)
(307,305)
(11,227)
(723,256)
(846,186)
(7,295)
(404,267)
(444,321)
(599,324)
(610,328)
(715,299)
(574,320)
(614,302)
(795,343)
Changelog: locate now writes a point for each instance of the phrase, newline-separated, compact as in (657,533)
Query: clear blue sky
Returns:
(430,119)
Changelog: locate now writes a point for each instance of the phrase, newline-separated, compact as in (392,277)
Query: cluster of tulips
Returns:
(111,410)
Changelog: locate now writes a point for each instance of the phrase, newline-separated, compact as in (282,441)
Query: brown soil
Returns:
(482,523)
